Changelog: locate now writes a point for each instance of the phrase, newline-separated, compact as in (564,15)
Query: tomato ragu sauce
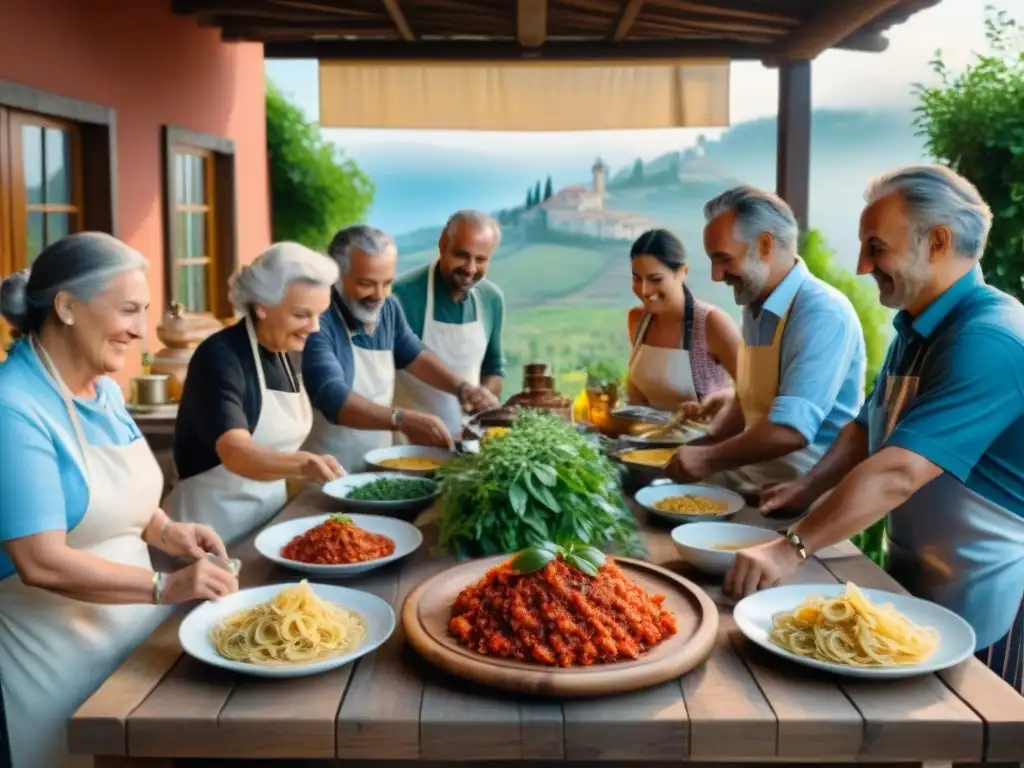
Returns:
(337,542)
(559,616)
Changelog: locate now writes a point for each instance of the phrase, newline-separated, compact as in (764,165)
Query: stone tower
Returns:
(600,171)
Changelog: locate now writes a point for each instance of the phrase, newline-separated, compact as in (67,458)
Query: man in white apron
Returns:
(800,373)
(350,365)
(458,315)
(937,447)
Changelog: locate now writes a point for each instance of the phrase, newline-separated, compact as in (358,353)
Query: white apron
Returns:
(461,348)
(757,386)
(950,545)
(55,651)
(374,379)
(234,505)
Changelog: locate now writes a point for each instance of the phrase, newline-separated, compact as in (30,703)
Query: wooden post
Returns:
(793,158)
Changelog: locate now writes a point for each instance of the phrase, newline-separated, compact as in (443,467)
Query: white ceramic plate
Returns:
(373,458)
(700,543)
(652,494)
(754,613)
(342,488)
(272,540)
(195,631)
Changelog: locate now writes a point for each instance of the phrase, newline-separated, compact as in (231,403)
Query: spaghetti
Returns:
(295,627)
(851,630)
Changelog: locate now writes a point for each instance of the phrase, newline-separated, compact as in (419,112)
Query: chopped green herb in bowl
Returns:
(392,489)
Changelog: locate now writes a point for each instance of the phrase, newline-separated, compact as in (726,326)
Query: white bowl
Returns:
(194,634)
(272,540)
(754,614)
(700,544)
(373,458)
(407,509)
(652,494)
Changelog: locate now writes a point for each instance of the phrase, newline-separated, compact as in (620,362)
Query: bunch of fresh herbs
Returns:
(541,482)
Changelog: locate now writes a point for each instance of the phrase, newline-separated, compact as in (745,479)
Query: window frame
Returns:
(20,208)
(222,242)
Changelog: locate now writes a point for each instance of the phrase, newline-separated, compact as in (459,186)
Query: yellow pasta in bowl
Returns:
(412,463)
(648,457)
(691,505)
(852,631)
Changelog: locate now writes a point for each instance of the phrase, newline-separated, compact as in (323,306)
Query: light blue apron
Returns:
(952,546)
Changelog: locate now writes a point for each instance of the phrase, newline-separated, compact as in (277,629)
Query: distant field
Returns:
(567,338)
(539,272)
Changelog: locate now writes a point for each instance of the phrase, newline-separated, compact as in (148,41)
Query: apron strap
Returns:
(69,402)
(293,378)
(638,337)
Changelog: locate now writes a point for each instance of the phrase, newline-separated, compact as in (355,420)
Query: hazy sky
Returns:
(839,79)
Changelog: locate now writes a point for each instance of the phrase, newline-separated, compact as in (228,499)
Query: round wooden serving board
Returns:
(427,610)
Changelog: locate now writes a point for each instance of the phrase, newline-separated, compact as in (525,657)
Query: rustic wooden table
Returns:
(743,705)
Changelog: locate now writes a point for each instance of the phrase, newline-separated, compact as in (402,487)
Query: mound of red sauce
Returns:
(559,616)
(337,543)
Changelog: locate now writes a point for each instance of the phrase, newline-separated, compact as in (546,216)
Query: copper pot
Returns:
(149,390)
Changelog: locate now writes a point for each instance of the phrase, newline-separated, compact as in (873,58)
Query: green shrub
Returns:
(314,189)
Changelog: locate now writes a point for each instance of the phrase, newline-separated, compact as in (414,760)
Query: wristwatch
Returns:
(397,415)
(797,543)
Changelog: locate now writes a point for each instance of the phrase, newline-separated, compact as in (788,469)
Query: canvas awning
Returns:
(524,96)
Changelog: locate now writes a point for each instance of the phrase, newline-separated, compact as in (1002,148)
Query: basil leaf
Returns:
(517,496)
(532,560)
(546,475)
(344,519)
(547,545)
(580,564)
(592,555)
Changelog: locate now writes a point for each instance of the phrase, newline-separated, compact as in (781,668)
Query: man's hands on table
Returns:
(761,567)
(475,399)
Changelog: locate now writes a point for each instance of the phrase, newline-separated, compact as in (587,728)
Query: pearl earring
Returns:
(68,320)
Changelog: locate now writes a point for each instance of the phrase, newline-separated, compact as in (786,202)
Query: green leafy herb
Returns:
(343,519)
(583,558)
(392,489)
(543,481)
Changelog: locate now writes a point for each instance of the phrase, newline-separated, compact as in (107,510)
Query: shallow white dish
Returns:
(342,488)
(696,543)
(195,630)
(652,494)
(271,541)
(373,458)
(754,614)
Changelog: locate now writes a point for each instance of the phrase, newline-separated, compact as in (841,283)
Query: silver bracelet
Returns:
(158,588)
(163,531)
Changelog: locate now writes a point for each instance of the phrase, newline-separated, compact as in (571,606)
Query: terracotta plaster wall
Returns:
(153,68)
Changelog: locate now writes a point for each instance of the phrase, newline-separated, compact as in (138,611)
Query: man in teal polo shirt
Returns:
(937,446)
(458,315)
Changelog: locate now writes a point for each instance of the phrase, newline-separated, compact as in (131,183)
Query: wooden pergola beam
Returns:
(626,19)
(793,153)
(836,21)
(531,22)
(398,18)
(509,50)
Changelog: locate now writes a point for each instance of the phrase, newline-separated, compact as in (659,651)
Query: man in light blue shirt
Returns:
(800,374)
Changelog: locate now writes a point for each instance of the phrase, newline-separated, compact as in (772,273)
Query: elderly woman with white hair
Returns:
(244,413)
(81,492)
(937,448)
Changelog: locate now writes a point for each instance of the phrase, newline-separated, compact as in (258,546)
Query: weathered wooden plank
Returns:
(815,717)
(543,732)
(645,725)
(913,719)
(380,715)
